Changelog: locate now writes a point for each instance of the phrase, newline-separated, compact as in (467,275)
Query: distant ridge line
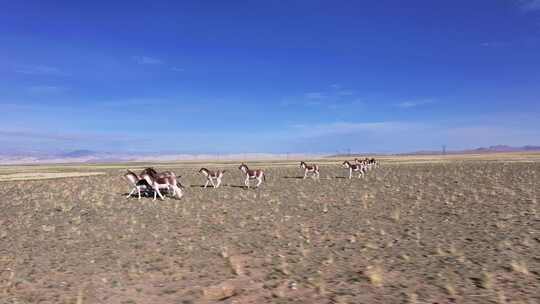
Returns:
(481,150)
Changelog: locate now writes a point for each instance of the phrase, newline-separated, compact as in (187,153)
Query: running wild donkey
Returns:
(313,169)
(163,180)
(136,182)
(211,175)
(257,174)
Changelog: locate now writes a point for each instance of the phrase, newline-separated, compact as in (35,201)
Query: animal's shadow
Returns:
(209,186)
(149,193)
(143,194)
(244,187)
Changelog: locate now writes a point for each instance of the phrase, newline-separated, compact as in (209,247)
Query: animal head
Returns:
(243,167)
(302,164)
(203,171)
(131,177)
(149,171)
(346,164)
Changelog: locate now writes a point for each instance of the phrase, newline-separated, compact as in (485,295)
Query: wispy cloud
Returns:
(529,5)
(492,44)
(345,92)
(337,97)
(413,103)
(147,60)
(315,95)
(31,134)
(40,70)
(342,128)
(400,136)
(46,89)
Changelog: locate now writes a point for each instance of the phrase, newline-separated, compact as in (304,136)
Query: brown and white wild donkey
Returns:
(136,182)
(211,175)
(368,163)
(257,174)
(313,169)
(354,168)
(163,180)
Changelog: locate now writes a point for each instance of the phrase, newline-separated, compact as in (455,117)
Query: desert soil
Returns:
(452,232)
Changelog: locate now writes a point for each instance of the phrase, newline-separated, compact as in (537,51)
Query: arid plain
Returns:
(419,229)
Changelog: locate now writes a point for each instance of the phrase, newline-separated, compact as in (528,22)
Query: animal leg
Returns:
(246,182)
(218,182)
(157,192)
(305,174)
(178,191)
(132,191)
(207,181)
(259,181)
(212,182)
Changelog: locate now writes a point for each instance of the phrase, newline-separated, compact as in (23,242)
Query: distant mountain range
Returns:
(89,156)
(481,150)
(490,149)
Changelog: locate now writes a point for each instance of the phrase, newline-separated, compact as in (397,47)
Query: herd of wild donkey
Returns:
(149,180)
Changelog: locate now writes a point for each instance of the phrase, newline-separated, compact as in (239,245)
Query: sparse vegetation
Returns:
(409,232)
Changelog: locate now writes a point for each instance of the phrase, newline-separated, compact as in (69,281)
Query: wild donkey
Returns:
(360,168)
(252,174)
(314,169)
(367,163)
(137,182)
(211,175)
(163,180)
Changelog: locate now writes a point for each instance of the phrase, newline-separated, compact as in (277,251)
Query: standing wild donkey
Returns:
(257,174)
(360,168)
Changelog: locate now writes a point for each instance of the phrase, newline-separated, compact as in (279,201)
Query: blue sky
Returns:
(268,76)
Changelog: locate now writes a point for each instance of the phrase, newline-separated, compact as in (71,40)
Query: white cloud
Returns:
(529,5)
(146,60)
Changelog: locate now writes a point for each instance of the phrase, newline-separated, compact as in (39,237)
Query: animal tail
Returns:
(264,176)
(179,185)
